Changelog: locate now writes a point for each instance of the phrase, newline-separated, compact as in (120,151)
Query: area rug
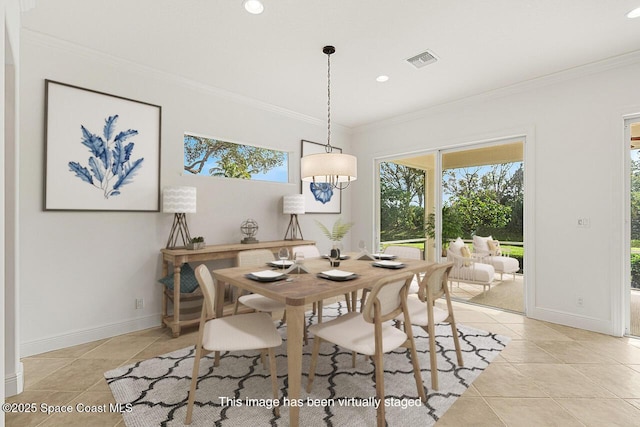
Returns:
(238,393)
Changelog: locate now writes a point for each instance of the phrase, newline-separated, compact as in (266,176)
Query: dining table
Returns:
(297,291)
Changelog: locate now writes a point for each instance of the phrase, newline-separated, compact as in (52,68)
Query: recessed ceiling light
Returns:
(253,6)
(635,13)
(382,78)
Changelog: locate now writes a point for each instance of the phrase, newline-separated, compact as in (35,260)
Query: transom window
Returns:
(214,157)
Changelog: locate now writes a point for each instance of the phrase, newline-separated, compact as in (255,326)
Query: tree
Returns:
(486,201)
(635,199)
(233,160)
(478,211)
(401,202)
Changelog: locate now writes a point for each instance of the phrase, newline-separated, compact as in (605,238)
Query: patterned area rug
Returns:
(238,392)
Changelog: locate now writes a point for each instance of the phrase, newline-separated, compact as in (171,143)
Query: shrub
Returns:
(635,271)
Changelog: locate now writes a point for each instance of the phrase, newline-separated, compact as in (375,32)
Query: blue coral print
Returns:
(110,164)
(322,191)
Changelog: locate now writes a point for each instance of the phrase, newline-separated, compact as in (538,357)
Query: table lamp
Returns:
(294,206)
(179,201)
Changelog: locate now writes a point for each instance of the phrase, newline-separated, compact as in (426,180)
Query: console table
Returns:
(177,257)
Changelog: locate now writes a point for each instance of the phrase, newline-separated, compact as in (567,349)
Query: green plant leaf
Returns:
(338,231)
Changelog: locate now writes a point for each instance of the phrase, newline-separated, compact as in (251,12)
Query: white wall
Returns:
(574,164)
(82,271)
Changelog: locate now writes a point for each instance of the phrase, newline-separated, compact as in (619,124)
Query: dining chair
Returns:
(311,252)
(252,331)
(407,252)
(371,334)
(256,258)
(424,313)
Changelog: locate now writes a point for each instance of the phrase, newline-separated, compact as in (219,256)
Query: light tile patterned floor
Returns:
(549,375)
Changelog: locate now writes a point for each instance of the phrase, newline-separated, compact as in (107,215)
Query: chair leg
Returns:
(416,371)
(314,361)
(348,301)
(194,382)
(235,306)
(274,377)
(363,298)
(456,340)
(262,359)
(431,331)
(379,372)
(304,332)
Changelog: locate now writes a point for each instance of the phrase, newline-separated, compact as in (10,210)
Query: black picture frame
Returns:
(102,151)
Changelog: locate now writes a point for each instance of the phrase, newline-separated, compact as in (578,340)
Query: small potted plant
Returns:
(336,234)
(196,243)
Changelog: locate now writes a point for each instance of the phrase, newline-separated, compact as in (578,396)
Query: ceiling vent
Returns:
(422,59)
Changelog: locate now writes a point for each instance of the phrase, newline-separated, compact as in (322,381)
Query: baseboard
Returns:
(88,335)
(573,320)
(14,383)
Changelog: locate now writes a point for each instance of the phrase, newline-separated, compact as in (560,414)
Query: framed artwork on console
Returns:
(102,152)
(319,197)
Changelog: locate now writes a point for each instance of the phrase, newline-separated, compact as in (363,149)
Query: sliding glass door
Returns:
(429,199)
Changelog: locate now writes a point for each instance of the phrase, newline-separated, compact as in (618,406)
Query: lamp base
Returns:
(293,229)
(179,229)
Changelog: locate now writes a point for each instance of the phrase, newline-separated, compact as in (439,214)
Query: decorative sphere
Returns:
(249,228)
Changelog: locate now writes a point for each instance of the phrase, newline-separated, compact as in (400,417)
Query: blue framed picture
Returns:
(102,152)
(320,197)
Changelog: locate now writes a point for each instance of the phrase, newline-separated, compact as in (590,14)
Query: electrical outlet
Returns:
(583,223)
(580,302)
(139,303)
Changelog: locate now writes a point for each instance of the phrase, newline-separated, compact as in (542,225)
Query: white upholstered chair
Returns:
(467,268)
(491,253)
(407,252)
(253,331)
(257,258)
(371,333)
(424,313)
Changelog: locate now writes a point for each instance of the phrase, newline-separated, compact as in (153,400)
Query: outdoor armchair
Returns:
(467,267)
(489,251)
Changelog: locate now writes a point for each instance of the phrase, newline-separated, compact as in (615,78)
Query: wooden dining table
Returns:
(298,291)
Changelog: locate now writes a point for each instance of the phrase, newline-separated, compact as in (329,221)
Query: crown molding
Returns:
(516,88)
(48,41)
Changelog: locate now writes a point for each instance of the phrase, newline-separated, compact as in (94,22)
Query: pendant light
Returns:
(331,167)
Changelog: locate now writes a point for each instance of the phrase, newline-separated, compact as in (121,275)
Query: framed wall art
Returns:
(102,152)
(320,197)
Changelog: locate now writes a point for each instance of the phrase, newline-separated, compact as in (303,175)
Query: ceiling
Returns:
(277,58)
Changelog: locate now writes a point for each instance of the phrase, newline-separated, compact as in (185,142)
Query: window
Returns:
(213,157)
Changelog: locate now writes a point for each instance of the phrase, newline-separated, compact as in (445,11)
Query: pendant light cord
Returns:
(328,148)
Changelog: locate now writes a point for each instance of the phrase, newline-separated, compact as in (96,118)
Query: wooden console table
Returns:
(177,257)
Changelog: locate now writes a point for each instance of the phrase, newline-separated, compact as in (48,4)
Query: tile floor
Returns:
(549,375)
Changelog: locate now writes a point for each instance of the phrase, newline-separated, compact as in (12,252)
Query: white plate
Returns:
(384,256)
(267,274)
(386,263)
(281,263)
(337,273)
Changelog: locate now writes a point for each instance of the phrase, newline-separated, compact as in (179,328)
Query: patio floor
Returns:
(508,294)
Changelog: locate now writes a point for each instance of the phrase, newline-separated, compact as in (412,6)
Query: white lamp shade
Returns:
(325,166)
(179,200)
(293,204)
